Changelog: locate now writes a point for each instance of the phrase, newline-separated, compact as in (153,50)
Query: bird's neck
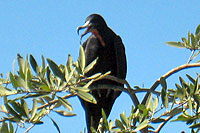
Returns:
(100,38)
(104,36)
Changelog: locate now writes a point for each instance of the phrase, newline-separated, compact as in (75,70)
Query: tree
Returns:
(45,86)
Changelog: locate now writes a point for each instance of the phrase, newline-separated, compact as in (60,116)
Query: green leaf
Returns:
(12,111)
(197,98)
(119,124)
(197,30)
(64,113)
(124,119)
(82,89)
(34,109)
(65,103)
(195,125)
(45,88)
(25,107)
(105,122)
(142,125)
(88,84)
(20,63)
(164,97)
(22,83)
(43,63)
(190,105)
(18,108)
(69,63)
(13,80)
(158,120)
(39,115)
(56,125)
(155,103)
(82,58)
(188,39)
(143,109)
(194,42)
(196,86)
(175,44)
(163,83)
(86,96)
(4,128)
(190,78)
(56,70)
(175,112)
(180,90)
(148,102)
(94,76)
(90,66)
(6,92)
(11,127)
(70,75)
(184,40)
(34,64)
(181,118)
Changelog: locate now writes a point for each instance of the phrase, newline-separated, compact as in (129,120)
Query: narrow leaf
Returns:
(124,119)
(11,127)
(4,128)
(82,89)
(56,70)
(197,30)
(190,78)
(90,66)
(159,120)
(163,83)
(175,44)
(65,103)
(195,125)
(69,63)
(56,125)
(25,107)
(142,125)
(86,96)
(65,113)
(105,122)
(82,58)
(12,111)
(18,108)
(13,80)
(164,97)
(119,124)
(34,64)
(34,109)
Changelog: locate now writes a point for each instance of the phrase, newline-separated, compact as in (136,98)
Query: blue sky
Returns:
(48,28)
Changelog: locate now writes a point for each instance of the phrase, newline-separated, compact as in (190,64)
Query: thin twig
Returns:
(129,90)
(29,128)
(190,58)
(170,117)
(55,101)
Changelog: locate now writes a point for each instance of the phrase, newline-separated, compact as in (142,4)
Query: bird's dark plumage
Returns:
(108,47)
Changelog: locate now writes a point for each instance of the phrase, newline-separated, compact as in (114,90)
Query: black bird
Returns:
(108,47)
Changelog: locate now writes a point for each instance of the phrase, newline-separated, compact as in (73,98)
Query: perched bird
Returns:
(108,47)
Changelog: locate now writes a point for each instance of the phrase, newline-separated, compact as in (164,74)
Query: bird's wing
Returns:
(120,58)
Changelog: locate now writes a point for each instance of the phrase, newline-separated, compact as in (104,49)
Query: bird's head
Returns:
(94,23)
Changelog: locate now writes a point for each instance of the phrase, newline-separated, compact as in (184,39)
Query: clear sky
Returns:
(48,27)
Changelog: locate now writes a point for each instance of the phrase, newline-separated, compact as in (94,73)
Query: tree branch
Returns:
(55,101)
(129,90)
(165,76)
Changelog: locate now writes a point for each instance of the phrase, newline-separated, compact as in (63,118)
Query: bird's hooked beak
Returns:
(87,25)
